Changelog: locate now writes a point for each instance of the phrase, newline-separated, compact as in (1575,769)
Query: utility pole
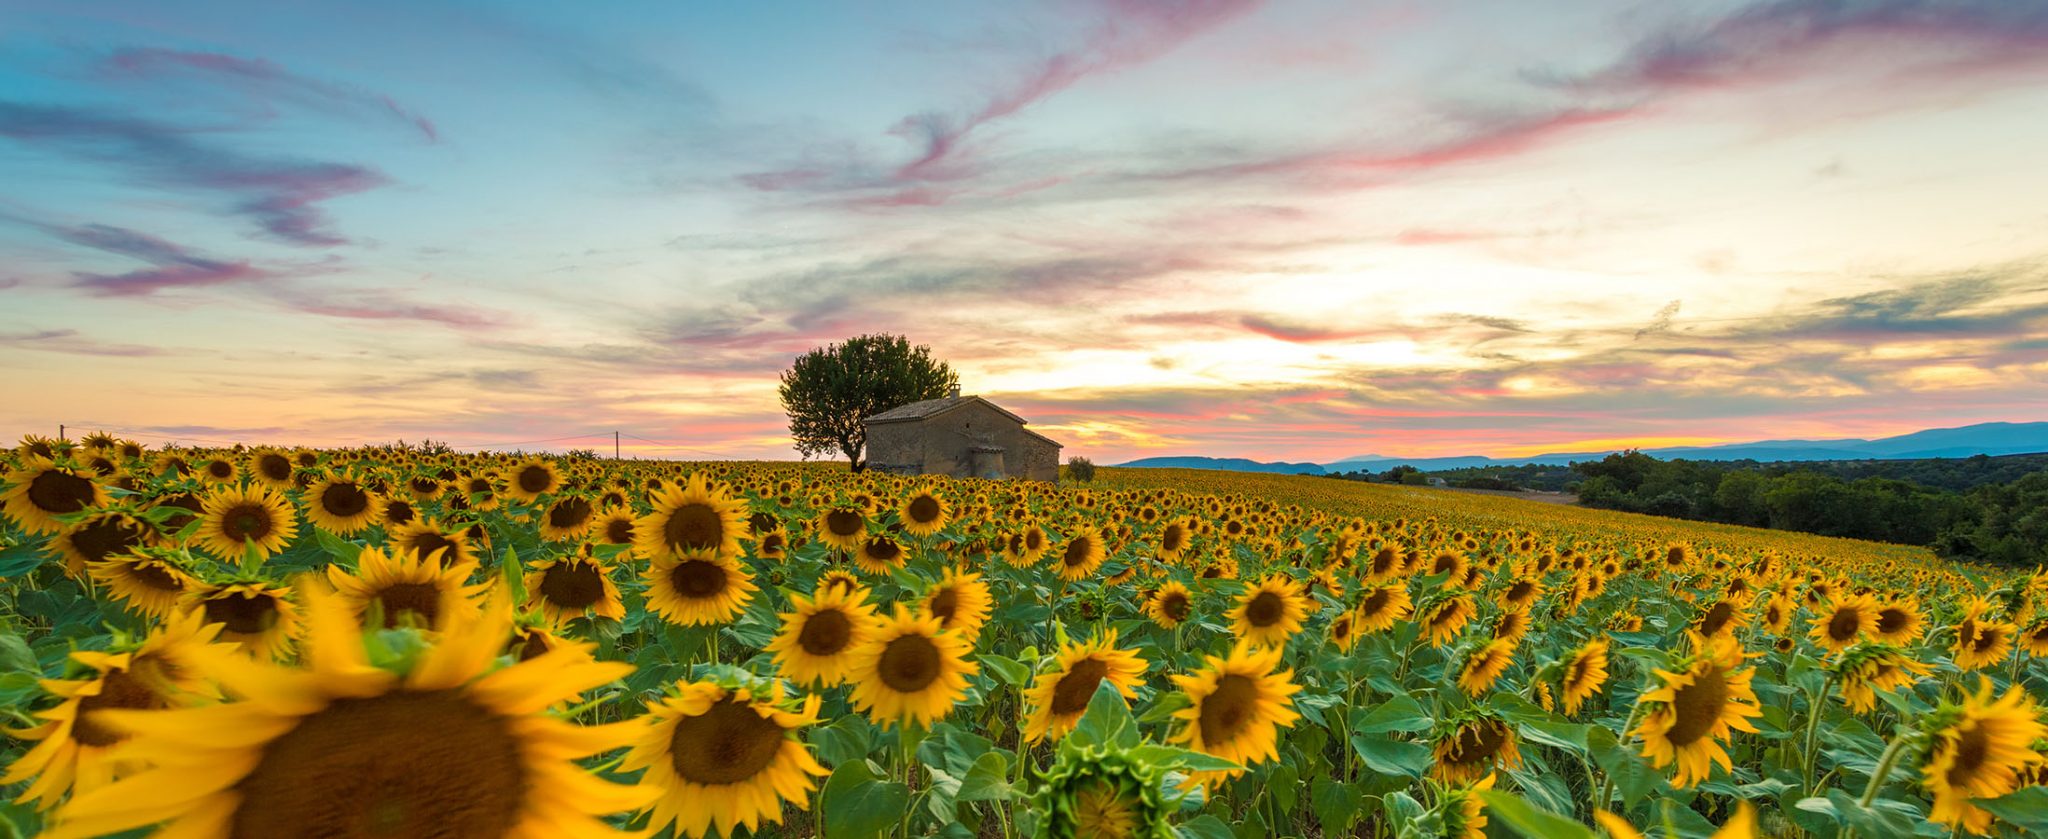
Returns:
(615,445)
(60,431)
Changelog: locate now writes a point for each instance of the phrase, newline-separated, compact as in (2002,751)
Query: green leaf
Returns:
(2026,809)
(988,780)
(849,740)
(515,575)
(1162,709)
(15,656)
(1008,670)
(1174,757)
(1632,776)
(1529,821)
(1336,805)
(1398,714)
(1107,721)
(1391,757)
(859,804)
(1205,827)
(1568,736)
(1284,786)
(342,550)
(20,559)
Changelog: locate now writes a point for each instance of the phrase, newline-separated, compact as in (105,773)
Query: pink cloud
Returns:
(261,78)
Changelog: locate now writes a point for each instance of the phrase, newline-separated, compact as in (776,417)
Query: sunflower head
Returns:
(1977,748)
(236,522)
(1058,698)
(924,513)
(1271,612)
(1102,791)
(38,491)
(722,755)
(151,581)
(1170,605)
(909,670)
(818,637)
(698,590)
(1688,718)
(1236,705)
(1471,743)
(961,602)
(696,520)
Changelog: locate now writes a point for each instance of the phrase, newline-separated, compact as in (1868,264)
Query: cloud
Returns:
(1662,321)
(279,196)
(383,304)
(172,266)
(70,342)
(263,80)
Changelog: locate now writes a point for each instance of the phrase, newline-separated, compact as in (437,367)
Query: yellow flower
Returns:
(1056,700)
(1170,605)
(1978,752)
(1585,674)
(1269,613)
(961,602)
(909,670)
(402,584)
(1694,708)
(234,521)
(39,491)
(1472,748)
(572,586)
(1236,706)
(697,591)
(1484,667)
(815,644)
(724,757)
(696,520)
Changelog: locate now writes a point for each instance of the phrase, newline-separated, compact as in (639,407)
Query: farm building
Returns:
(960,436)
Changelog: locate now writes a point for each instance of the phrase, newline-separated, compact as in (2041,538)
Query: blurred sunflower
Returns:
(1847,619)
(616,526)
(99,537)
(1173,541)
(845,528)
(253,613)
(1465,812)
(271,467)
(39,491)
(567,519)
(1343,630)
(722,757)
(1868,668)
(1472,745)
(1976,749)
(1236,706)
(572,586)
(773,544)
(1055,701)
(841,579)
(1898,621)
(1981,641)
(1444,616)
(961,602)
(1170,605)
(696,520)
(819,634)
(426,538)
(1484,666)
(532,478)
(909,670)
(448,748)
(697,591)
(1694,708)
(1585,673)
(1382,606)
(400,584)
(1269,613)
(151,583)
(219,469)
(235,521)
(340,505)
(1082,555)
(880,554)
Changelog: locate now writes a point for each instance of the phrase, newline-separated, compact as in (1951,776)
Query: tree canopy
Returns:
(828,392)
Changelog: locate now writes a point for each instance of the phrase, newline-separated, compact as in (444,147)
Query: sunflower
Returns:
(151,583)
(961,602)
(697,591)
(773,544)
(219,469)
(1868,668)
(1443,618)
(340,505)
(924,513)
(1511,625)
(1236,706)
(1173,541)
(39,491)
(1465,811)
(819,633)
(532,478)
(572,586)
(402,583)
(1170,605)
(721,757)
(616,527)
(1976,750)
(1585,673)
(271,467)
(1270,612)
(1382,606)
(1471,745)
(1695,707)
(395,513)
(843,527)
(100,536)
(880,554)
(696,520)
(569,518)
(426,538)
(234,522)
(1343,630)
(258,615)
(839,578)
(1082,555)
(909,670)
(1980,640)
(341,744)
(1847,619)
(1055,701)
(2034,639)
(1484,666)
(1778,614)
(1898,622)
(71,754)
(1387,563)
(1742,825)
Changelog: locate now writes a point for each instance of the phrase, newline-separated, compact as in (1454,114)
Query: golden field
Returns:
(391,642)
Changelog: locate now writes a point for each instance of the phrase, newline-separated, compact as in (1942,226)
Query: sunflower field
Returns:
(385,642)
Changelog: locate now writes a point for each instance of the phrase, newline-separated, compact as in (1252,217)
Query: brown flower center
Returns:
(104,537)
(535,479)
(276,467)
(1696,707)
(572,585)
(1175,605)
(825,633)
(1071,693)
(695,527)
(242,613)
(1844,625)
(118,690)
(59,492)
(344,500)
(1476,742)
(730,742)
(1265,609)
(909,664)
(1077,552)
(422,599)
(569,513)
(697,578)
(1227,712)
(844,522)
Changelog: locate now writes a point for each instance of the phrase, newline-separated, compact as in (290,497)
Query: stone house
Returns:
(960,436)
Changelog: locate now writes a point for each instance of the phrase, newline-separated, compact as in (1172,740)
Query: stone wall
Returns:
(939,445)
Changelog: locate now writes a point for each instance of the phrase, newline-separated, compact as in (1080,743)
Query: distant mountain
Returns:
(1990,438)
(1226,464)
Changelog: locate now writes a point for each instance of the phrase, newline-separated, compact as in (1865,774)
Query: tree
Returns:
(829,392)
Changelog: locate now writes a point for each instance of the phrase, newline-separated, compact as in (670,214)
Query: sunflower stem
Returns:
(1813,727)
(1607,778)
(1884,769)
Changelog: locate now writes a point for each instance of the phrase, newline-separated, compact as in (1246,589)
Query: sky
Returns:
(1280,230)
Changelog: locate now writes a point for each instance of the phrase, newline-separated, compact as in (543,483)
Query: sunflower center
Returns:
(533,646)
(344,500)
(1696,707)
(619,531)
(220,469)
(1077,553)
(694,527)
(242,613)
(1071,693)
(1844,625)
(825,633)
(843,522)
(924,509)
(944,603)
(1383,562)
(429,544)
(761,522)
(1265,609)
(399,512)
(1988,638)
(1229,710)
(245,522)
(59,492)
(423,599)
(569,513)
(183,501)
(535,479)
(1972,747)
(274,467)
(402,764)
(697,578)
(1576,675)
(909,664)
(1375,602)
(1476,743)
(1170,540)
(102,538)
(151,575)
(1176,606)
(572,585)
(118,690)
(882,549)
(1034,540)
(1716,617)
(1520,591)
(730,742)
(1891,620)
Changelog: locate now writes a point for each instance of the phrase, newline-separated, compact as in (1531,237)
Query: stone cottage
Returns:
(960,436)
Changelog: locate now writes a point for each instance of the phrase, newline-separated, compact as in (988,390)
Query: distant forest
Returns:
(1989,509)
